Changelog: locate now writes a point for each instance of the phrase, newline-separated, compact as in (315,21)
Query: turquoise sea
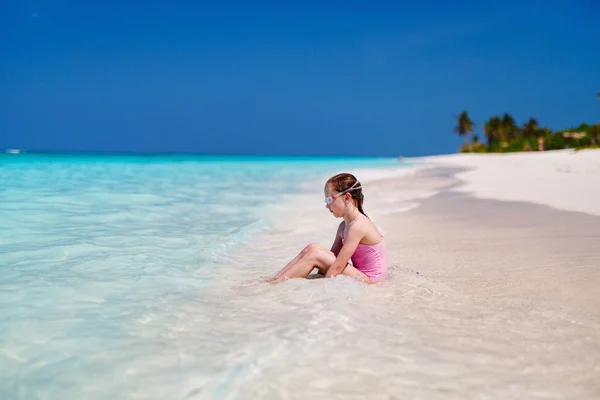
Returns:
(102,254)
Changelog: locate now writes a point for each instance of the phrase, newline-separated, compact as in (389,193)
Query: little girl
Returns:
(357,239)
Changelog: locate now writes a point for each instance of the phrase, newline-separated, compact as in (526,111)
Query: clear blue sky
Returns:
(345,78)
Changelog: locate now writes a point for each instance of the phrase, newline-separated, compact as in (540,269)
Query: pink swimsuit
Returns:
(370,259)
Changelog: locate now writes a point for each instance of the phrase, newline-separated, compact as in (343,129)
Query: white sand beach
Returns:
(564,179)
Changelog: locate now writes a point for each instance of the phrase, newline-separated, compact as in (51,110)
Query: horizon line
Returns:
(18,151)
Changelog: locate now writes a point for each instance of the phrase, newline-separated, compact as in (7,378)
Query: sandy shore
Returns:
(566,179)
(512,248)
(488,299)
(519,235)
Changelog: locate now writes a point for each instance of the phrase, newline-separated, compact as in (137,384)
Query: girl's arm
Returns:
(355,235)
(337,243)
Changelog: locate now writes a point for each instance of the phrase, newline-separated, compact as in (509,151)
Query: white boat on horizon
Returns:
(13,151)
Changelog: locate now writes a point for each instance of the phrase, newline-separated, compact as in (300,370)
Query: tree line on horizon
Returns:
(503,134)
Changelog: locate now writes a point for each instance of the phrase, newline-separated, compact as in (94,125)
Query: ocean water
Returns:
(122,275)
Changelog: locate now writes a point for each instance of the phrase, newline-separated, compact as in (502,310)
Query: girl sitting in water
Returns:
(357,239)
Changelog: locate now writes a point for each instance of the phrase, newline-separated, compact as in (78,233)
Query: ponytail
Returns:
(362,212)
(360,203)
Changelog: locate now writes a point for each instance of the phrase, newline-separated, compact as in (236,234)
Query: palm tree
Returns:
(492,130)
(509,128)
(465,125)
(545,132)
(530,128)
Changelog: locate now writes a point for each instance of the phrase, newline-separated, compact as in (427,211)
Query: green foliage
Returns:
(509,128)
(521,144)
(473,148)
(503,135)
(530,128)
(464,125)
(594,134)
(492,131)
(583,127)
(545,131)
(555,141)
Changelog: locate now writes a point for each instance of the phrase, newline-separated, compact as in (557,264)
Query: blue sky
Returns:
(309,78)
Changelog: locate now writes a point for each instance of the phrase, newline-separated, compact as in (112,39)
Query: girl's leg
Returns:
(315,256)
(294,261)
(310,257)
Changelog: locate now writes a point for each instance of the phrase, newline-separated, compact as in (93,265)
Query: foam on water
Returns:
(110,264)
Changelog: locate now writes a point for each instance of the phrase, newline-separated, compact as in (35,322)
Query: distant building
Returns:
(574,135)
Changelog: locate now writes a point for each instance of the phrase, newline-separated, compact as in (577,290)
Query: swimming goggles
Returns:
(330,199)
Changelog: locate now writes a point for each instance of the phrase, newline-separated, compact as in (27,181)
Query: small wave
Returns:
(236,236)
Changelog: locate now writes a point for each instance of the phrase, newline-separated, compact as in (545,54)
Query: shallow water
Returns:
(109,265)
